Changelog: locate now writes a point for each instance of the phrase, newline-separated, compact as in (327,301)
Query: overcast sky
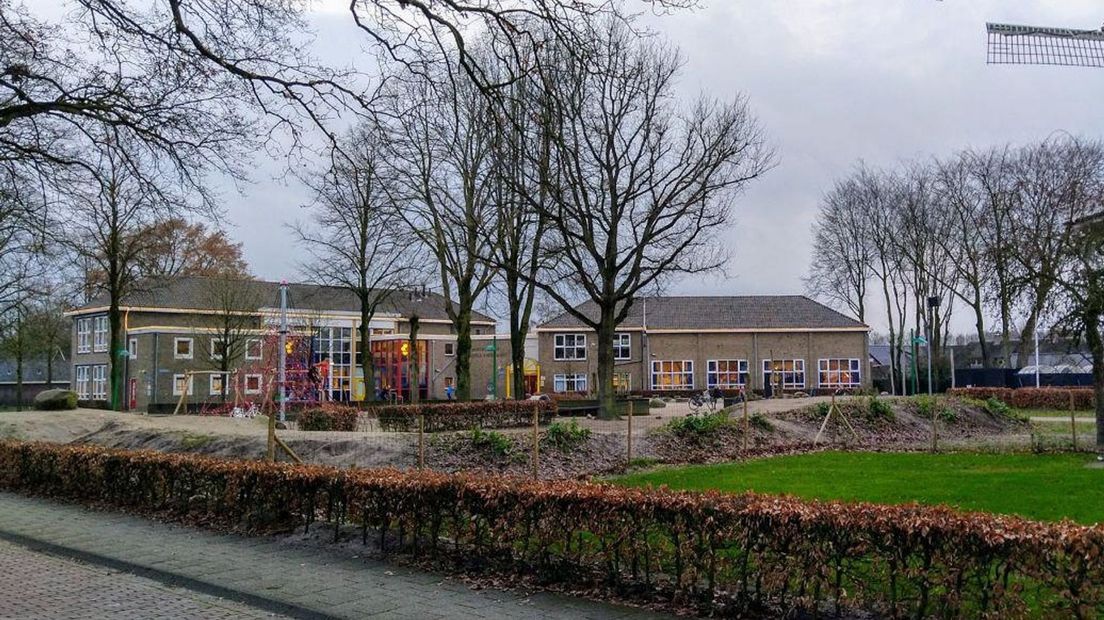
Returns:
(832,82)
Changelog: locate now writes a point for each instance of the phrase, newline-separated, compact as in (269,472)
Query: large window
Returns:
(621,347)
(726,374)
(333,347)
(839,373)
(82,385)
(99,382)
(672,375)
(792,374)
(570,383)
(570,347)
(99,334)
(84,336)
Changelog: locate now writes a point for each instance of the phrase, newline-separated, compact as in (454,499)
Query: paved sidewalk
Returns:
(40,586)
(270,574)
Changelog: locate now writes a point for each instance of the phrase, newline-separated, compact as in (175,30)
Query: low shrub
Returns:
(697,425)
(491,441)
(332,418)
(718,554)
(463,416)
(565,435)
(997,407)
(656,403)
(760,422)
(878,409)
(55,400)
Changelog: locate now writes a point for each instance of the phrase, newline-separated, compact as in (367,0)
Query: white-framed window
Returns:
(99,382)
(182,383)
(253,384)
(217,381)
(672,375)
(570,347)
(792,371)
(450,349)
(622,382)
(570,383)
(132,348)
(726,374)
(218,347)
(622,349)
(81,383)
(841,372)
(99,334)
(182,348)
(254,349)
(84,335)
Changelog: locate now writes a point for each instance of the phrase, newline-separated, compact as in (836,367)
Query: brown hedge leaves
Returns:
(723,554)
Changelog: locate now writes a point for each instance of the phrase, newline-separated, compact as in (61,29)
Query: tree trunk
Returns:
(368,367)
(518,331)
(1025,348)
(19,364)
(115,319)
(1093,337)
(607,405)
(463,351)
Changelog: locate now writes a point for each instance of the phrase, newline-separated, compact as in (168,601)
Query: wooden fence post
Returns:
(628,463)
(536,440)
(421,441)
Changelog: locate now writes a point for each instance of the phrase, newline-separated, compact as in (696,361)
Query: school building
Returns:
(695,343)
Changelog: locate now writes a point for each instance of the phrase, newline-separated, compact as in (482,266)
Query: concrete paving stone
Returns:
(270,572)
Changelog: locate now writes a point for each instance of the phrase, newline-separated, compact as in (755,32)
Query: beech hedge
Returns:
(729,555)
(331,418)
(462,416)
(1031,398)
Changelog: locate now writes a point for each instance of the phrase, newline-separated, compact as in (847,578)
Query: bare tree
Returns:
(443,152)
(841,269)
(106,210)
(643,186)
(356,237)
(236,304)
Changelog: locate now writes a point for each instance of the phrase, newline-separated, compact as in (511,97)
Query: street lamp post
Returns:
(1036,357)
(493,348)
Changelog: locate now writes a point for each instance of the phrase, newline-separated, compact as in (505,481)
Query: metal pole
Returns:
(494,367)
(746,424)
(282,370)
(1036,358)
(953,382)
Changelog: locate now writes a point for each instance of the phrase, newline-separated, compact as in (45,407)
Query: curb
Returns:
(166,578)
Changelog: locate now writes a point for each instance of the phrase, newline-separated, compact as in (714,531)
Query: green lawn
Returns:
(1055,413)
(1045,487)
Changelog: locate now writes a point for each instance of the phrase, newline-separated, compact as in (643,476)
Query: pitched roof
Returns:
(763,312)
(193,293)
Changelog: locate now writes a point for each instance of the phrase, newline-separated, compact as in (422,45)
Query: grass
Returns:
(1055,413)
(1045,487)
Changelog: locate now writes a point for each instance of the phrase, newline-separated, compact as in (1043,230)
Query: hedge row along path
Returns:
(721,554)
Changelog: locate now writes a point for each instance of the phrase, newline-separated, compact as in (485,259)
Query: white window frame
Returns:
(786,385)
(450,349)
(713,372)
(260,384)
(84,335)
(177,355)
(132,348)
(211,383)
(854,369)
(100,336)
(260,349)
(560,347)
(99,382)
(215,355)
(622,341)
(560,383)
(176,384)
(82,382)
(686,370)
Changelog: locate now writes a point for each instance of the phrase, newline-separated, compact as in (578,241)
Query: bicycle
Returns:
(703,401)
